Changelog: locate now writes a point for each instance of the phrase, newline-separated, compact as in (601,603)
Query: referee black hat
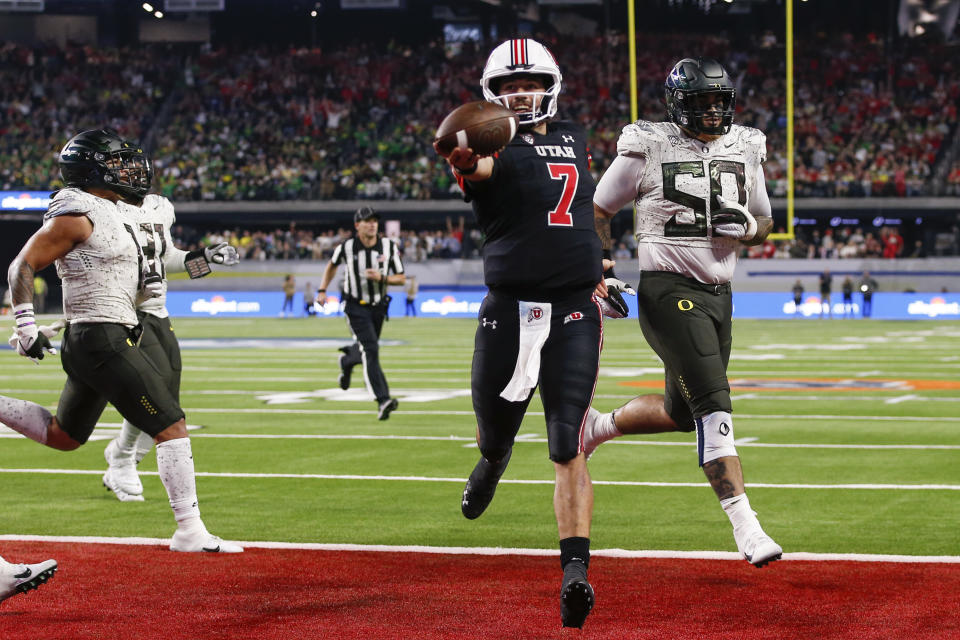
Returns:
(365,213)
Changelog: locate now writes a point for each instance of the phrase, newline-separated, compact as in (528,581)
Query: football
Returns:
(482,126)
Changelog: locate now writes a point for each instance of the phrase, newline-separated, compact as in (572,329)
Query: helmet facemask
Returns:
(128,173)
(690,108)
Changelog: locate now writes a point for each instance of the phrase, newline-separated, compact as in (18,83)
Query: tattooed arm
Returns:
(601,220)
(53,240)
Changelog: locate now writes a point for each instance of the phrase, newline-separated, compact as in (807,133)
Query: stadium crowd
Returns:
(356,122)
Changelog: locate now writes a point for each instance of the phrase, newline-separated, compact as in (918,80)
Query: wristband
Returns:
(468,170)
(321,290)
(23,313)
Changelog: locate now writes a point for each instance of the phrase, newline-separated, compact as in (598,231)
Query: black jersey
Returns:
(536,212)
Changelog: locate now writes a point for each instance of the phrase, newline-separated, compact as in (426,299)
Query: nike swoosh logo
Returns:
(212,550)
(23,576)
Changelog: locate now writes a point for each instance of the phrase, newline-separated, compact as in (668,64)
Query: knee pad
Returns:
(715,436)
(494,454)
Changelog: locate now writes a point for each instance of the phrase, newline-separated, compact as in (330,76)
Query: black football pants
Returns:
(569,364)
(366,322)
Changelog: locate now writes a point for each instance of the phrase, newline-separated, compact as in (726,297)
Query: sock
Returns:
(575,549)
(127,439)
(605,427)
(27,418)
(142,446)
(739,511)
(175,464)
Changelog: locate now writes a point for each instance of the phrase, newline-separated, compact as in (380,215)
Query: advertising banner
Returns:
(465,303)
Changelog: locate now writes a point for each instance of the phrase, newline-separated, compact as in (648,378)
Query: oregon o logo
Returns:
(684,305)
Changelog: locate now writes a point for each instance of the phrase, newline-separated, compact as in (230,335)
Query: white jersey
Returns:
(101,276)
(675,185)
(152,222)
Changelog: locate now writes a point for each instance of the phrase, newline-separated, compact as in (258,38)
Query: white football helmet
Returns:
(527,57)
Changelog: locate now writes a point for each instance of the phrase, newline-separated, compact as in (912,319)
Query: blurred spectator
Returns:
(826,284)
(289,290)
(867,286)
(797,296)
(847,289)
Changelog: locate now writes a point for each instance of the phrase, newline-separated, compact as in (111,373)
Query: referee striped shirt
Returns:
(384,256)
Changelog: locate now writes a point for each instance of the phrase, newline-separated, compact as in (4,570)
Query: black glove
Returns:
(614,306)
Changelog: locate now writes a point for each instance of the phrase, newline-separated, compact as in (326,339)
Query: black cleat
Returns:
(576,596)
(345,371)
(386,407)
(481,485)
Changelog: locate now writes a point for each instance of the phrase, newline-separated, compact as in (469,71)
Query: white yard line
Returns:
(611,483)
(495,551)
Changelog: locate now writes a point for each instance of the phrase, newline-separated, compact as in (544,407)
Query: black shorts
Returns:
(569,361)
(159,344)
(689,325)
(103,364)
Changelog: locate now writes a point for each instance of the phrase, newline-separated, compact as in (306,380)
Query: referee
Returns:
(372,264)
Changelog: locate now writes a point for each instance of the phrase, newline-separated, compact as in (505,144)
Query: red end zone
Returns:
(107,591)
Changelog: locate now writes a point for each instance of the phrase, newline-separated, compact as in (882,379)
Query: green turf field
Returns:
(850,482)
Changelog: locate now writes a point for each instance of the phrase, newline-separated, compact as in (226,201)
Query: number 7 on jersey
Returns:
(560,215)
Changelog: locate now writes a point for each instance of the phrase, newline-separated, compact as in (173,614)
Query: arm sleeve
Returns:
(620,183)
(759,204)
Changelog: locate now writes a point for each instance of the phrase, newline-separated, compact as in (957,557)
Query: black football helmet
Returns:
(101,158)
(690,89)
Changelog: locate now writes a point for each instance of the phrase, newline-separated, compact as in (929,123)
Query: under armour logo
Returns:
(567,138)
(491,323)
(535,314)
(724,428)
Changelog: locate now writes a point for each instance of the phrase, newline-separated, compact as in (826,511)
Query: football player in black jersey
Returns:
(539,324)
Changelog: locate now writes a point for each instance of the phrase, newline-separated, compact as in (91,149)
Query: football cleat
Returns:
(757,547)
(20,578)
(121,477)
(591,440)
(386,407)
(202,541)
(481,485)
(576,596)
(345,370)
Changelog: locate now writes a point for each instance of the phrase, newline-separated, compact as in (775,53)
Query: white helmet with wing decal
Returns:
(527,57)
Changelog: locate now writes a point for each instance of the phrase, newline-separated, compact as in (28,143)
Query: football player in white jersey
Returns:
(152,221)
(104,272)
(698,187)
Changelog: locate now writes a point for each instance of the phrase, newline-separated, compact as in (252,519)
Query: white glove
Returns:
(733,220)
(614,306)
(222,253)
(27,338)
(152,286)
(50,330)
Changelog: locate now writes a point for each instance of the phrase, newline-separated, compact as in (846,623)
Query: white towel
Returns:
(534,330)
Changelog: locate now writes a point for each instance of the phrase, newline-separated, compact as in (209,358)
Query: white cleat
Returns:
(202,541)
(20,578)
(110,482)
(121,476)
(757,547)
(591,440)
